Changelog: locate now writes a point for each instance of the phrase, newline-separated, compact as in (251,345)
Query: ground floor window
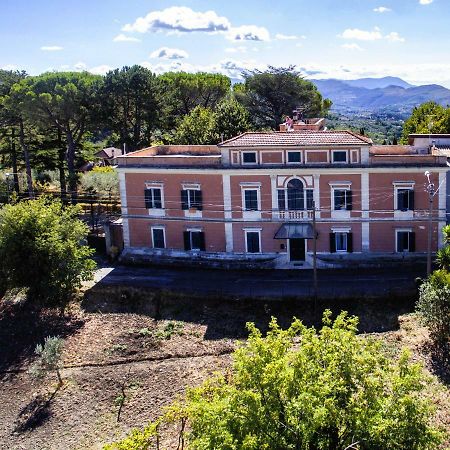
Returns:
(194,240)
(405,241)
(253,241)
(341,241)
(158,237)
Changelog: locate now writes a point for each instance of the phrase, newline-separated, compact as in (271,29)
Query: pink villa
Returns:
(251,199)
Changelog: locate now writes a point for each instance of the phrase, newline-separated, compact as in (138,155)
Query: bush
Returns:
(41,249)
(299,389)
(49,356)
(434,306)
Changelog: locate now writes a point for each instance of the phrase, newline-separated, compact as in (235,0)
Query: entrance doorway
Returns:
(297,249)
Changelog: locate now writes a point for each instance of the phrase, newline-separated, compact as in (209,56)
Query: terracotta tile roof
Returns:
(392,150)
(296,138)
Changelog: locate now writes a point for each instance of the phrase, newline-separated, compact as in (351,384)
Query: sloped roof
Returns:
(296,138)
(109,152)
(393,150)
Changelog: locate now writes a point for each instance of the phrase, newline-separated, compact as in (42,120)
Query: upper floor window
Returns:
(295,197)
(294,157)
(339,156)
(251,200)
(153,198)
(191,199)
(342,199)
(405,199)
(249,157)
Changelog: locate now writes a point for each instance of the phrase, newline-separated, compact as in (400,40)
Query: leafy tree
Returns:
(68,101)
(131,105)
(429,117)
(302,389)
(197,127)
(182,92)
(41,249)
(275,93)
(231,119)
(101,181)
(48,358)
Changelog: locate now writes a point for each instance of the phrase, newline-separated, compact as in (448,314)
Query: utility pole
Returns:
(431,192)
(314,252)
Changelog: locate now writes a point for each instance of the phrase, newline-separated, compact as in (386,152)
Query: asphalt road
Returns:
(269,283)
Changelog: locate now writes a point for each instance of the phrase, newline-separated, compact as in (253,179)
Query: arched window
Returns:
(295,195)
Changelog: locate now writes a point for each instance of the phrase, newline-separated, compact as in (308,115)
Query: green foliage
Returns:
(196,128)
(429,117)
(48,357)
(169,329)
(41,248)
(231,119)
(434,306)
(302,389)
(136,440)
(101,182)
(269,96)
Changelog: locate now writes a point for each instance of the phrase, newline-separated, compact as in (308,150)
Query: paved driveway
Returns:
(268,283)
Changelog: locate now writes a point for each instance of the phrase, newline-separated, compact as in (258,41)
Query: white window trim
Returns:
(159,227)
(252,230)
(341,230)
(339,162)
(249,163)
(258,198)
(294,151)
(346,241)
(193,230)
(191,186)
(340,187)
(402,230)
(406,186)
(157,212)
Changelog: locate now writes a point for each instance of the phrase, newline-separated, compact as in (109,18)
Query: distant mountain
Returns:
(396,99)
(379,83)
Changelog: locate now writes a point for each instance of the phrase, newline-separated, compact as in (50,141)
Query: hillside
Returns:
(355,97)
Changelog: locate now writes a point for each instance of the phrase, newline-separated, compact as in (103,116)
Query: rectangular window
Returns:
(339,156)
(249,157)
(194,240)
(309,199)
(341,242)
(158,238)
(405,241)
(342,199)
(153,199)
(251,200)
(405,199)
(252,241)
(191,199)
(281,199)
(294,157)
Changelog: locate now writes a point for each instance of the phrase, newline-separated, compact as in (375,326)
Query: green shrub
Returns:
(48,358)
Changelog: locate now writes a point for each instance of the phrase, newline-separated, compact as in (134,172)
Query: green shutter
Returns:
(332,242)
(184,199)
(148,198)
(349,200)
(187,240)
(350,242)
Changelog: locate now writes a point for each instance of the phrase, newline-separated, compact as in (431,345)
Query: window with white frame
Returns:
(191,197)
(404,196)
(405,240)
(249,158)
(251,199)
(158,237)
(341,241)
(253,241)
(294,157)
(342,199)
(153,197)
(339,156)
(294,198)
(194,240)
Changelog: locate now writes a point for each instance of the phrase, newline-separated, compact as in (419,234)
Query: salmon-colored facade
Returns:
(254,197)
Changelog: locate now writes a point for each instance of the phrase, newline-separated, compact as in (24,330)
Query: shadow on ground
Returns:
(226,317)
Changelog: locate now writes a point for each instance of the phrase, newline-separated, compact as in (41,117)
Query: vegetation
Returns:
(48,358)
(303,389)
(41,249)
(101,181)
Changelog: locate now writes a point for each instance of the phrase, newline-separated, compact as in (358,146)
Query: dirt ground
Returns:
(151,349)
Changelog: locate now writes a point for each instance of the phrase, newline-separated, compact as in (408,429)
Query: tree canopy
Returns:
(304,389)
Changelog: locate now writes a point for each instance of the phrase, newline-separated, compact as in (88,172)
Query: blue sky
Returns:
(325,38)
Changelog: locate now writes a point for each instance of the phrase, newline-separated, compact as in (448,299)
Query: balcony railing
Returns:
(294,215)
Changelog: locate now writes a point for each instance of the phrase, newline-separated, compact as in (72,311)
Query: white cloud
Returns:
(80,66)
(394,37)
(124,38)
(169,53)
(248,33)
(181,19)
(374,35)
(239,49)
(100,70)
(288,37)
(361,35)
(51,48)
(9,67)
(352,46)
(425,2)
(382,9)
